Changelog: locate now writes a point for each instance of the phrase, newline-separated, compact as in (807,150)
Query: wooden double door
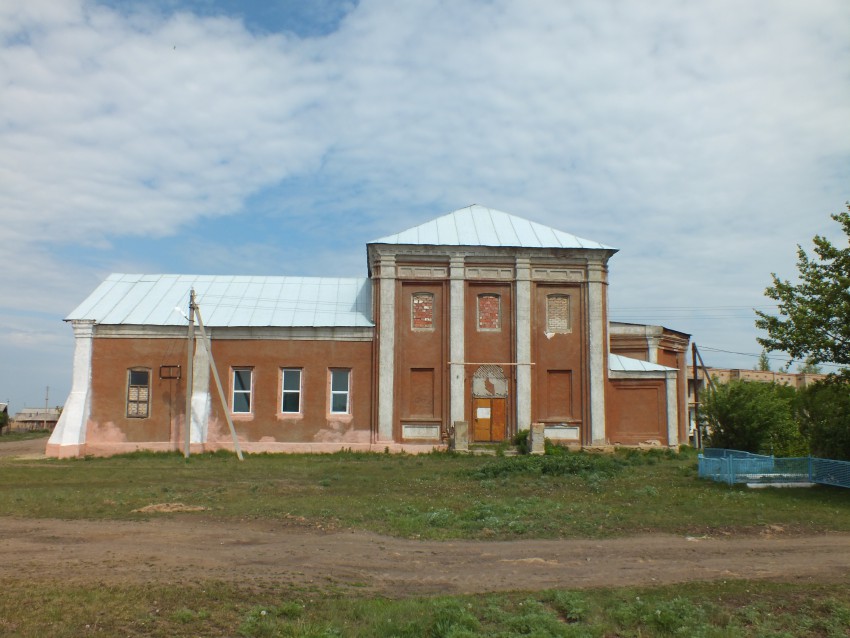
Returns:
(489,422)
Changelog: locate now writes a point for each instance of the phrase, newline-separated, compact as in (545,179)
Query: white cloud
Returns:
(703,139)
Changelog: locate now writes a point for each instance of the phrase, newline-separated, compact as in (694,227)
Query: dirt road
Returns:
(187,549)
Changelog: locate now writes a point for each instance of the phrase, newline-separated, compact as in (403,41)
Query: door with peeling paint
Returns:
(488,418)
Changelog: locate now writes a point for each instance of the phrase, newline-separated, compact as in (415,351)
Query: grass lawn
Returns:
(7,437)
(707,610)
(436,496)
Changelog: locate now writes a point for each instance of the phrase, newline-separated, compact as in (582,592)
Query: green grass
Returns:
(706,610)
(436,496)
(7,437)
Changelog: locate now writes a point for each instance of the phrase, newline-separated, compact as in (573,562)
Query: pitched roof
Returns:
(162,300)
(480,226)
(619,363)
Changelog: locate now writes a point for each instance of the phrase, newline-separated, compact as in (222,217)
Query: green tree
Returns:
(809,367)
(763,362)
(753,417)
(823,412)
(814,315)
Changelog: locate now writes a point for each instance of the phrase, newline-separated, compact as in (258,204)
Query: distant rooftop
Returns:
(161,300)
(480,226)
(619,363)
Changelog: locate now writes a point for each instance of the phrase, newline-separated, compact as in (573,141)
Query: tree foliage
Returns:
(814,315)
(823,414)
(753,417)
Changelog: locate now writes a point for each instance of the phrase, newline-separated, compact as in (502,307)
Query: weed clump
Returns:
(562,464)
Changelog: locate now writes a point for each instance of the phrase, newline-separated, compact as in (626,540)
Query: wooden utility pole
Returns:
(695,356)
(214,371)
(696,396)
(190,362)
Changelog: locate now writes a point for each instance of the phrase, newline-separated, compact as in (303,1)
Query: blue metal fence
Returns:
(734,466)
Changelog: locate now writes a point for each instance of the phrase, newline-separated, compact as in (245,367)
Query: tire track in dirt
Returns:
(185,549)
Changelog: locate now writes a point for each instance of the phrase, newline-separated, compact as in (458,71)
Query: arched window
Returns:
(489,312)
(558,314)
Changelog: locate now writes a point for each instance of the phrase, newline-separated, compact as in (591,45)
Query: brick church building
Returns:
(477,316)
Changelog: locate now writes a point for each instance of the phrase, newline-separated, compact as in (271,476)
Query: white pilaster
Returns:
(652,347)
(672,408)
(457,353)
(597,354)
(201,401)
(69,435)
(523,343)
(386,347)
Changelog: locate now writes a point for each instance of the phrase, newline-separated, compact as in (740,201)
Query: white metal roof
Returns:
(236,301)
(480,226)
(619,363)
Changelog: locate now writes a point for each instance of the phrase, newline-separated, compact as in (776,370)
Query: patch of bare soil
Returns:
(260,553)
(29,448)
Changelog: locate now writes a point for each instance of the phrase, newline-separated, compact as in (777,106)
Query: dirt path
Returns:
(27,448)
(187,549)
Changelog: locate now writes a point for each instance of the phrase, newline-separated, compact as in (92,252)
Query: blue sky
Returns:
(704,140)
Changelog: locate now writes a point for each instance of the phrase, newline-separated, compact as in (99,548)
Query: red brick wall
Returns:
(423,311)
(488,312)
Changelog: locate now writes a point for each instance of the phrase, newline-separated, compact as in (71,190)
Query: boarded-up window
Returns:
(422,392)
(138,393)
(559,388)
(558,314)
(489,312)
(422,311)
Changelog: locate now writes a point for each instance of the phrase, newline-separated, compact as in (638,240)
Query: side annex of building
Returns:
(477,316)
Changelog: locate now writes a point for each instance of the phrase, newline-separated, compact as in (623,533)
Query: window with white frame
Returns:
(138,393)
(290,401)
(340,391)
(242,390)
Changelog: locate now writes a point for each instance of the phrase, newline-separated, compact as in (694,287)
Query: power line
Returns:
(750,354)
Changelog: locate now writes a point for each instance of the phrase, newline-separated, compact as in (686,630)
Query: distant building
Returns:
(724,375)
(476,316)
(29,419)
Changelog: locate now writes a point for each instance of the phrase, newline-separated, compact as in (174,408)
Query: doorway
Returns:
(488,419)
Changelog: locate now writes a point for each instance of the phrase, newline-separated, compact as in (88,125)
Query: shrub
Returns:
(823,412)
(753,417)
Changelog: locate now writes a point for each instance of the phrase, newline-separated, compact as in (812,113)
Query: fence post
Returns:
(731,461)
(810,468)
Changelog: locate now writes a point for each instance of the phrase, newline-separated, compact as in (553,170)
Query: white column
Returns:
(69,435)
(672,409)
(523,343)
(652,348)
(386,347)
(457,352)
(201,399)
(597,354)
